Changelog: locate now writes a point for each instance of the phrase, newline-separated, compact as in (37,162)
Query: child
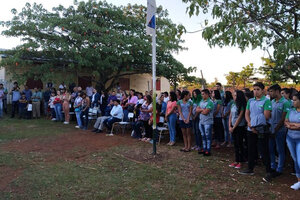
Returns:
(51,100)
(22,106)
(29,109)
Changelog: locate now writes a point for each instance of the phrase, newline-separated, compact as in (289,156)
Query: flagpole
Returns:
(154,90)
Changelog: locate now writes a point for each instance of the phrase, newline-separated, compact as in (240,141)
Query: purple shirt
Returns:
(133,100)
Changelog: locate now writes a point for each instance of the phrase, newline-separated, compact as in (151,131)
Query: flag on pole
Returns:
(150,23)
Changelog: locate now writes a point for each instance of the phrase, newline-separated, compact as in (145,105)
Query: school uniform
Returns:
(293,139)
(261,139)
(277,139)
(206,123)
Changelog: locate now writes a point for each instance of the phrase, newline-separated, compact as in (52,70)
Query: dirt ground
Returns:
(78,145)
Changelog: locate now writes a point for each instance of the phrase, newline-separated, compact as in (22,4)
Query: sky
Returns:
(214,62)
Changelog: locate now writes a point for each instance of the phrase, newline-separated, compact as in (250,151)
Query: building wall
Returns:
(143,82)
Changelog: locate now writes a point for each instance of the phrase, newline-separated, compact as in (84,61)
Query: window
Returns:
(158,84)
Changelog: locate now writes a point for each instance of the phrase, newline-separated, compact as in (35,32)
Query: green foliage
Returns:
(243,77)
(95,37)
(270,25)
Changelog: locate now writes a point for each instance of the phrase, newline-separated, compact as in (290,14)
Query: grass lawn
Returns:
(40,159)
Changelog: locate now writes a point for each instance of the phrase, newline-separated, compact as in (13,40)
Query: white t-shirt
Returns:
(29,107)
(51,102)
(166,99)
(117,111)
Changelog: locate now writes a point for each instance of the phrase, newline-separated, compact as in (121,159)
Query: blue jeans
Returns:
(78,118)
(1,108)
(228,137)
(277,141)
(125,113)
(58,114)
(206,132)
(172,118)
(294,147)
(198,138)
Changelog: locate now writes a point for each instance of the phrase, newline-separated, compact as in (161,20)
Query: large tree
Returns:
(271,25)
(105,40)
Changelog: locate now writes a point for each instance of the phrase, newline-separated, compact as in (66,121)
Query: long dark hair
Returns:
(240,101)
(198,97)
(217,94)
(173,96)
(228,98)
(149,99)
(184,93)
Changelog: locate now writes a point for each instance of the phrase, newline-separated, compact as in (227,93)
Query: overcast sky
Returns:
(214,62)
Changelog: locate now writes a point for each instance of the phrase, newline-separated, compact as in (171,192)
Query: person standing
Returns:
(196,118)
(46,98)
(205,109)
(292,122)
(86,103)
(66,97)
(95,100)
(16,95)
(27,93)
(22,106)
(77,109)
(36,103)
(2,95)
(171,117)
(280,107)
(57,106)
(225,117)
(237,127)
(258,112)
(217,125)
(185,108)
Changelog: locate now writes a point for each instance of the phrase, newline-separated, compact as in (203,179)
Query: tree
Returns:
(102,39)
(271,73)
(233,79)
(255,23)
(246,74)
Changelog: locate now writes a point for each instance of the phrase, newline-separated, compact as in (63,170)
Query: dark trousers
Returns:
(14,108)
(4,105)
(238,138)
(22,110)
(148,129)
(260,141)
(85,121)
(218,129)
(53,115)
(110,121)
(137,129)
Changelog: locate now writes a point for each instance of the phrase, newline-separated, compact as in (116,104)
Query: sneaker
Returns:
(238,166)
(233,165)
(66,122)
(53,119)
(246,172)
(94,130)
(77,126)
(207,153)
(296,186)
(109,134)
(267,178)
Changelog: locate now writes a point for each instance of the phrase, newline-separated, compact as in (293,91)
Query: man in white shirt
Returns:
(116,115)
(166,97)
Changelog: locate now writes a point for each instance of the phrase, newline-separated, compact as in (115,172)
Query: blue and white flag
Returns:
(151,11)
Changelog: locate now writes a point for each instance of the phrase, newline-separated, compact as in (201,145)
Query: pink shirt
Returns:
(171,105)
(133,100)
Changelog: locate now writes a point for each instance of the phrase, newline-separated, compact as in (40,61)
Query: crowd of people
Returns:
(259,123)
